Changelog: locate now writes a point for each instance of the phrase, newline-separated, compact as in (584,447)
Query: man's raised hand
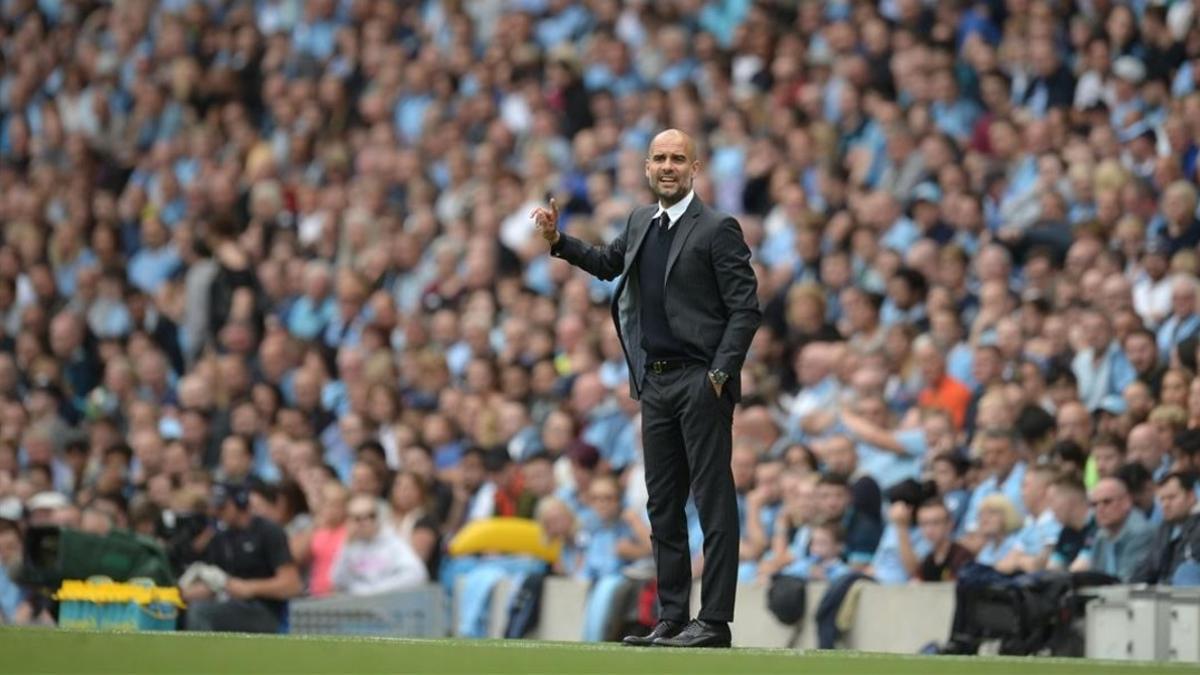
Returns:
(546,221)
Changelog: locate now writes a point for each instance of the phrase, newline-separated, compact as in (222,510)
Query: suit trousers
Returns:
(687,434)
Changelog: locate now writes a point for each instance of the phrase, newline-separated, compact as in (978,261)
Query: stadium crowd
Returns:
(270,263)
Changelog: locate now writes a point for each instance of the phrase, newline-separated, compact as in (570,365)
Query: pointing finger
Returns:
(554,206)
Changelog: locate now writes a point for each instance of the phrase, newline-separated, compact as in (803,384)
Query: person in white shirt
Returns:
(374,559)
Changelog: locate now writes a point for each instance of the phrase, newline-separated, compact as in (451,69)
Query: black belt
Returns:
(658,367)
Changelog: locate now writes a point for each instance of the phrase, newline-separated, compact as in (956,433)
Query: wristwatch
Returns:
(718,377)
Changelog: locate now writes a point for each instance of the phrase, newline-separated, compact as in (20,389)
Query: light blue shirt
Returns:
(889,468)
(887,565)
(994,552)
(1038,534)
(149,268)
(599,545)
(307,319)
(1010,487)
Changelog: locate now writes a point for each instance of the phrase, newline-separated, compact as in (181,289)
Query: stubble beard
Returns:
(669,198)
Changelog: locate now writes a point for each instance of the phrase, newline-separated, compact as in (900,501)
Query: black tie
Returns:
(664,221)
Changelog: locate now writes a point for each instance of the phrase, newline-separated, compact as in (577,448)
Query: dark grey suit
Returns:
(711,303)
(1166,553)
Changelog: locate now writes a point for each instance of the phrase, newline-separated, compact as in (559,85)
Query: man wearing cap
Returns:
(254,553)
(686,309)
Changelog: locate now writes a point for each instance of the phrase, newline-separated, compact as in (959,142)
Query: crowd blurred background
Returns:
(285,244)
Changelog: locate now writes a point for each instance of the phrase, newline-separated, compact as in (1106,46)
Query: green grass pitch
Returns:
(30,651)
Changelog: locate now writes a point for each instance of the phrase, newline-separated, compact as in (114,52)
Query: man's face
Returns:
(1112,503)
(10,548)
(539,477)
(472,472)
(998,456)
(832,501)
(1140,351)
(840,457)
(1144,448)
(1033,491)
(605,500)
(364,519)
(743,469)
(670,166)
(1175,501)
(1108,460)
(934,523)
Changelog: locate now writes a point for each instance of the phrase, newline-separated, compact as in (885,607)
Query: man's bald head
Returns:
(672,137)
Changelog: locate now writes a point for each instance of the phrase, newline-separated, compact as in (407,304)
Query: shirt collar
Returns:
(677,209)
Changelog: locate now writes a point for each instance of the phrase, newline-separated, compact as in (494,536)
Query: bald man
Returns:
(686,309)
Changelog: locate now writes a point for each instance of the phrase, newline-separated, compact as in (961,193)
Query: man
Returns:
(1177,539)
(1145,446)
(1006,473)
(1141,350)
(1069,504)
(891,456)
(374,559)
(862,526)
(686,307)
(1123,535)
(941,391)
(1036,538)
(1183,322)
(14,605)
(946,556)
(1100,368)
(253,553)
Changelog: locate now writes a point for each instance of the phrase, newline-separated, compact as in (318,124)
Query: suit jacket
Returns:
(1157,567)
(710,296)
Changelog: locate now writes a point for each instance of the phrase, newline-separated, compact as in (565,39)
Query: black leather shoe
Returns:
(664,629)
(699,634)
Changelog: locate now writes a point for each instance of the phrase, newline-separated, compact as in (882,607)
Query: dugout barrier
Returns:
(419,612)
(1123,622)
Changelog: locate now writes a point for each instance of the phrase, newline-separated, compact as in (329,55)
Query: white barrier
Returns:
(1123,622)
(875,626)
(1144,623)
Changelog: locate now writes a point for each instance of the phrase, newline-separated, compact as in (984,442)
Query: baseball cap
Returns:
(1130,69)
(927,192)
(47,500)
(223,492)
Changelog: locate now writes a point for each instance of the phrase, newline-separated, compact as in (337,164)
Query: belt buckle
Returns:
(657,367)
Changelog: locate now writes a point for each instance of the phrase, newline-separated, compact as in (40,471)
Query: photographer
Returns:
(247,574)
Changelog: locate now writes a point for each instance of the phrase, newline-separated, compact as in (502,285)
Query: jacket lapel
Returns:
(640,228)
(682,229)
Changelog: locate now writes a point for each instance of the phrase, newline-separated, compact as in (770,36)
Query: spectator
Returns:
(328,537)
(949,479)
(941,391)
(855,515)
(1122,537)
(946,556)
(1037,536)
(260,574)
(14,606)
(374,559)
(415,527)
(998,524)
(1005,474)
(823,561)
(1169,558)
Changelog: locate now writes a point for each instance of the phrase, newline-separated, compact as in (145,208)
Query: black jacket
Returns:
(711,294)
(1165,554)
